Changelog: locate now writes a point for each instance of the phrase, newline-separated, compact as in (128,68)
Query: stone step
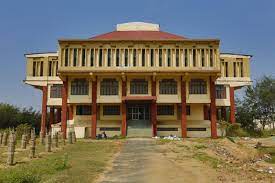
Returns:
(139,132)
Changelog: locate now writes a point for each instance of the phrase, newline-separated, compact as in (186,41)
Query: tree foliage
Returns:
(258,104)
(12,116)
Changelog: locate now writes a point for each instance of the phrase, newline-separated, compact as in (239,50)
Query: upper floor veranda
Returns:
(138,48)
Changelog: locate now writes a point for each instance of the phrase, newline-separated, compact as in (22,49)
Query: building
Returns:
(138,81)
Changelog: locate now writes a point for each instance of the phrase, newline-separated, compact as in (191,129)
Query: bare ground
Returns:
(192,160)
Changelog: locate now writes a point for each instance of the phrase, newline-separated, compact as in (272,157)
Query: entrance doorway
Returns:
(138,120)
(137,112)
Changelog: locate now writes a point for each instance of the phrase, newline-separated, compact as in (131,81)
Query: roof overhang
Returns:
(235,55)
(167,40)
(41,54)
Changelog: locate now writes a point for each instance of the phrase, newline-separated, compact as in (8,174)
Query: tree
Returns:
(12,116)
(258,104)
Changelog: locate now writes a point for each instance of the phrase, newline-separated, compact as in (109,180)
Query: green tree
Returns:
(12,116)
(258,104)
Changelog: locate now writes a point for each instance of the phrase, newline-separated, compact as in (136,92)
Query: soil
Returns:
(191,160)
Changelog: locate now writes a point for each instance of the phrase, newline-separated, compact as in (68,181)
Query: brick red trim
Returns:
(71,112)
(51,117)
(213,109)
(154,118)
(64,108)
(183,110)
(154,110)
(124,120)
(123,109)
(124,88)
(44,109)
(232,105)
(94,109)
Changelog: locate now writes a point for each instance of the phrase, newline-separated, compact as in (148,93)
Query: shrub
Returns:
(223,125)
(235,130)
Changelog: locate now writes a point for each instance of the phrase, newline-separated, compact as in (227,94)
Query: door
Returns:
(136,113)
(138,122)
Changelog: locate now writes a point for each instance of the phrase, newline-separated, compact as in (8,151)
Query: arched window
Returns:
(168,87)
(79,87)
(109,87)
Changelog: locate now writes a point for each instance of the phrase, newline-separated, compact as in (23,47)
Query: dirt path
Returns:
(142,160)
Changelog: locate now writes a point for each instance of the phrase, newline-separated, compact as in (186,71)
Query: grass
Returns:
(201,156)
(200,146)
(271,151)
(80,162)
(163,141)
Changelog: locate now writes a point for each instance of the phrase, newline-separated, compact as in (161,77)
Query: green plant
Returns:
(21,176)
(223,125)
(200,146)
(231,139)
(203,157)
(235,130)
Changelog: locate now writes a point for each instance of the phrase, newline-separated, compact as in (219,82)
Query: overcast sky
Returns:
(244,26)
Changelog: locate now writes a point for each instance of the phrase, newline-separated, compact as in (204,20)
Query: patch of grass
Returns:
(200,146)
(184,146)
(116,137)
(21,176)
(80,162)
(201,156)
(163,141)
(231,139)
(271,151)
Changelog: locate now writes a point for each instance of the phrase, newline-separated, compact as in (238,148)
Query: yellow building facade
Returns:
(138,81)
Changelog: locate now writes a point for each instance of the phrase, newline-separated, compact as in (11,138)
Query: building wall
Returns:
(156,73)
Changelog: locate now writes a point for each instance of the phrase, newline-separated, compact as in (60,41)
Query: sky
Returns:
(243,26)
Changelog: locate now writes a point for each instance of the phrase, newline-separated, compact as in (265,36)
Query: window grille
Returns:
(197,86)
(109,87)
(168,86)
(165,110)
(79,87)
(139,86)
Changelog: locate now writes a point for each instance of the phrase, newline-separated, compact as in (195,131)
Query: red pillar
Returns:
(123,109)
(58,115)
(154,110)
(183,110)
(44,109)
(213,110)
(71,112)
(64,108)
(51,117)
(232,105)
(94,109)
(124,120)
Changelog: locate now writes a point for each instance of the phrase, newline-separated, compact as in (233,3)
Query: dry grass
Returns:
(80,162)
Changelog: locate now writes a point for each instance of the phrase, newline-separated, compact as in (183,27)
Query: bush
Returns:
(223,125)
(235,130)
(256,133)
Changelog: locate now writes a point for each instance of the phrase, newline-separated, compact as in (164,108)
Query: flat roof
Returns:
(236,54)
(41,54)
